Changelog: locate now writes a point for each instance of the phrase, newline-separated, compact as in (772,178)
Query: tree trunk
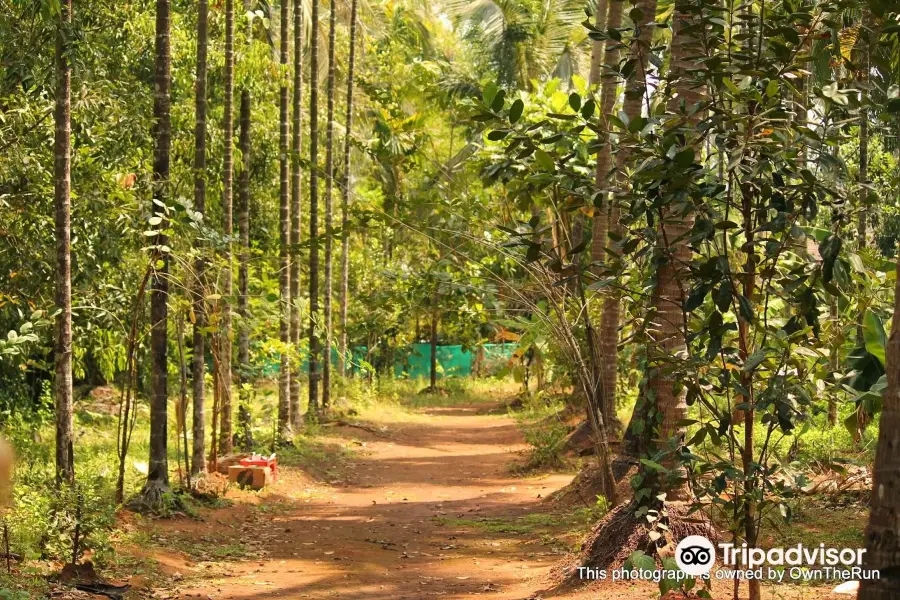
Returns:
(434,343)
(65,461)
(314,211)
(158,474)
(607,215)
(329,228)
(834,360)
(296,221)
(666,331)
(345,192)
(225,433)
(861,223)
(244,256)
(284,279)
(244,226)
(883,531)
(198,363)
(597,48)
(635,441)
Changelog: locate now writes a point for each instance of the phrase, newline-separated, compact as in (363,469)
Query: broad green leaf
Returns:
(875,336)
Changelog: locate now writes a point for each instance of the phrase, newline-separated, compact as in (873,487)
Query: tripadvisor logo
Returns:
(695,555)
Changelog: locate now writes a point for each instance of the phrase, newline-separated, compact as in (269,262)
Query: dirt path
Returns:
(427,510)
(392,531)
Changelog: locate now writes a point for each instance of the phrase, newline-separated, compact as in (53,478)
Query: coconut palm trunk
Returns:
(65,461)
(296,214)
(198,363)
(225,430)
(158,474)
(284,279)
(329,226)
(314,210)
(666,330)
(345,193)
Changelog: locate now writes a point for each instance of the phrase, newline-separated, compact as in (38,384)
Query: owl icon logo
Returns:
(695,555)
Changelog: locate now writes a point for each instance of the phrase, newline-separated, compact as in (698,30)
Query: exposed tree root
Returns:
(155,498)
(621,533)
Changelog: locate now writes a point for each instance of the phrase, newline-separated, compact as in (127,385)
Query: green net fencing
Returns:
(414,361)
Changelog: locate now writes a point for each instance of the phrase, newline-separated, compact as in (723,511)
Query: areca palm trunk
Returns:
(603,221)
(883,530)
(284,279)
(244,228)
(244,234)
(296,416)
(345,193)
(65,461)
(225,433)
(198,364)
(634,439)
(329,228)
(314,210)
(158,474)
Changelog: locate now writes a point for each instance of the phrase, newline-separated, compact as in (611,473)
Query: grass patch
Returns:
(541,420)
(819,520)
(577,521)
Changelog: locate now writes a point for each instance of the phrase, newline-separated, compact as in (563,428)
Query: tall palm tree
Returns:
(296,221)
(224,367)
(313,406)
(284,279)
(244,223)
(329,228)
(345,192)
(65,461)
(198,458)
(158,474)
(522,40)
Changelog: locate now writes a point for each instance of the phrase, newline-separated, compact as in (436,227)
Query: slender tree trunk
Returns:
(244,256)
(296,221)
(434,342)
(883,531)
(65,461)
(225,433)
(345,192)
(607,216)
(598,46)
(329,228)
(198,364)
(284,279)
(834,360)
(861,221)
(244,229)
(635,442)
(158,474)
(599,223)
(314,211)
